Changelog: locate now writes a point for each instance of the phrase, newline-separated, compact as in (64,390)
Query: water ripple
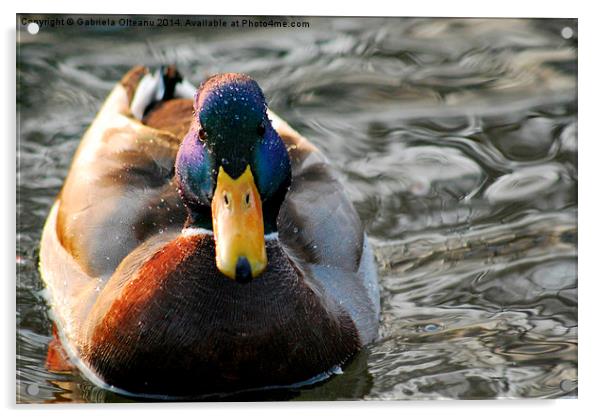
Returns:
(456,140)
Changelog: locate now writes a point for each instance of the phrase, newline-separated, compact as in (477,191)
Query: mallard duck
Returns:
(201,245)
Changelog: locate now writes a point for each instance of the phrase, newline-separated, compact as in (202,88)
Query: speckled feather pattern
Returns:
(231,129)
(206,333)
(152,313)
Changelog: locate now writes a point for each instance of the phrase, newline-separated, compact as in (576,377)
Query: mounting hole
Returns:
(33,389)
(566,32)
(33,28)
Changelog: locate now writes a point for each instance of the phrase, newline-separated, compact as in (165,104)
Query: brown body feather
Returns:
(181,327)
(145,307)
(172,116)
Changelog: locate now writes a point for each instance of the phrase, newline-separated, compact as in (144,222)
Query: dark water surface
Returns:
(456,141)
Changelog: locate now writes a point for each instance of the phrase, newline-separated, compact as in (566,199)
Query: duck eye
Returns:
(261,129)
(202,134)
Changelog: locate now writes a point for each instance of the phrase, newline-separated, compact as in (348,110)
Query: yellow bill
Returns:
(238,226)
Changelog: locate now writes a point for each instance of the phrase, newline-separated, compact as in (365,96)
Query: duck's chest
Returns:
(194,331)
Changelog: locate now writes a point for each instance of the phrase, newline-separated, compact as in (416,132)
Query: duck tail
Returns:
(147,90)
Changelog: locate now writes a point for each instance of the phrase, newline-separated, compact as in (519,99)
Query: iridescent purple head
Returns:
(231,130)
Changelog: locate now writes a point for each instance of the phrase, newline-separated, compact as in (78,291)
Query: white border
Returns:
(457,8)
(590,152)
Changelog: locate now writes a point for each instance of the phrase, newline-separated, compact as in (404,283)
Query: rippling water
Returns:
(456,141)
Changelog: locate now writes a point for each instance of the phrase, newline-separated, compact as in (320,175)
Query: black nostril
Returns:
(243,270)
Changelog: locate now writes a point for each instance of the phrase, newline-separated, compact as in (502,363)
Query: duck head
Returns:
(232,172)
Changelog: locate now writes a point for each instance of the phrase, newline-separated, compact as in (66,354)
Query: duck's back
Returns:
(120,189)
